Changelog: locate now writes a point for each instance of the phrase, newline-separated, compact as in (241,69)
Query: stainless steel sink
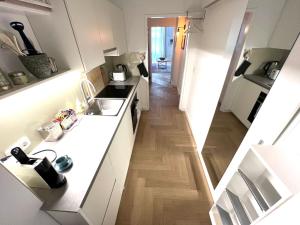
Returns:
(105,107)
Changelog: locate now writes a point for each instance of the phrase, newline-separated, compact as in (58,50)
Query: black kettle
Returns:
(269,66)
(121,68)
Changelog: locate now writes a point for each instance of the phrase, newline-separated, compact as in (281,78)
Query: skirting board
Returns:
(208,180)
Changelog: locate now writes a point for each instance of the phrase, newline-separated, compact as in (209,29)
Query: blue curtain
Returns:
(162,40)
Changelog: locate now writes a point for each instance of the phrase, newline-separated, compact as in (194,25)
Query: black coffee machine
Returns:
(42,167)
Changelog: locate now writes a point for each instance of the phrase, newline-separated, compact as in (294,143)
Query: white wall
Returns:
(24,112)
(288,27)
(19,206)
(266,14)
(281,103)
(208,58)
(136,12)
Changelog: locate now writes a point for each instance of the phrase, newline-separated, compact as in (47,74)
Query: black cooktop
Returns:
(115,91)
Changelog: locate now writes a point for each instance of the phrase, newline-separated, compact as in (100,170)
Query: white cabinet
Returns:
(121,147)
(87,32)
(98,199)
(112,26)
(70,34)
(94,208)
(245,99)
(143,94)
(118,28)
(102,8)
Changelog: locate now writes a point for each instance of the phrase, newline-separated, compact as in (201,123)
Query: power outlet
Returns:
(22,143)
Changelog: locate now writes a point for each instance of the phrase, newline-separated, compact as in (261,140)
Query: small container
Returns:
(18,77)
(51,131)
(39,65)
(4,83)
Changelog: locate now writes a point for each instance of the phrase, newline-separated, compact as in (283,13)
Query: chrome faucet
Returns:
(88,90)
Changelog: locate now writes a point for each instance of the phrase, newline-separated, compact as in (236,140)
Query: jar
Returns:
(18,77)
(4,83)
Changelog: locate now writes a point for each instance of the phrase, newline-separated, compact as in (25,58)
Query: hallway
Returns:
(165,184)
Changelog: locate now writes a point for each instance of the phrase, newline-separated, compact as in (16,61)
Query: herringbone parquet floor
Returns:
(165,184)
(223,140)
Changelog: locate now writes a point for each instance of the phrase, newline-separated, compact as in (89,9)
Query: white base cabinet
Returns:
(94,209)
(245,99)
(103,200)
(121,148)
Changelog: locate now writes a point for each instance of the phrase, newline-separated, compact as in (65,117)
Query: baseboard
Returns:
(209,187)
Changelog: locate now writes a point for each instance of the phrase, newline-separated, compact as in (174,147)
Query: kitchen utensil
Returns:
(53,66)
(51,131)
(45,169)
(121,68)
(269,66)
(10,44)
(20,155)
(17,45)
(38,65)
(242,68)
(119,74)
(63,163)
(274,74)
(4,83)
(18,26)
(18,77)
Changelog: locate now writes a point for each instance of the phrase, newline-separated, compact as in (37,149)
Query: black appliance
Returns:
(42,166)
(134,112)
(115,91)
(18,26)
(260,100)
(121,68)
(242,68)
(269,66)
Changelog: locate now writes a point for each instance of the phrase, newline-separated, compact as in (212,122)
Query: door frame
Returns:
(147,30)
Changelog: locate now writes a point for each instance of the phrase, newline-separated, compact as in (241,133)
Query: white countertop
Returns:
(87,144)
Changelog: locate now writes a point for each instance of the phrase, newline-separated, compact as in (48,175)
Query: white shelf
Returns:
(247,201)
(220,216)
(284,164)
(28,6)
(19,88)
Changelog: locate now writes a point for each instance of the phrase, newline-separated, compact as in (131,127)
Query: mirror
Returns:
(268,32)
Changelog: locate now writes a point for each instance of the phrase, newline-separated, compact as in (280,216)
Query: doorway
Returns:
(162,41)
(162,50)
(257,60)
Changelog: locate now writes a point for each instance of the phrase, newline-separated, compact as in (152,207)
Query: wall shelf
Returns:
(220,216)
(225,217)
(267,177)
(19,88)
(28,6)
(238,208)
(255,192)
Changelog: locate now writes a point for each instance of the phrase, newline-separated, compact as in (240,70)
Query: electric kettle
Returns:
(270,66)
(119,73)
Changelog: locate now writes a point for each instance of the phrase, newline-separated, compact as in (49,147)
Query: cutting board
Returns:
(95,76)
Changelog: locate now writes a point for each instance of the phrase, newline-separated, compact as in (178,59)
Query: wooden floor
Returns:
(225,136)
(165,184)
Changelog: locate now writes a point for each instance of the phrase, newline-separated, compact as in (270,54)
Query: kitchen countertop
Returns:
(87,144)
(260,80)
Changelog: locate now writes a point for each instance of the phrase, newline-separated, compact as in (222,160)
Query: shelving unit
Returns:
(238,208)
(255,192)
(266,178)
(19,88)
(29,6)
